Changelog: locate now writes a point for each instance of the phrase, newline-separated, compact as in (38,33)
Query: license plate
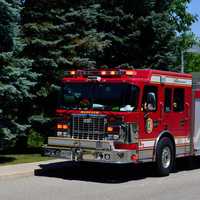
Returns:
(66,154)
(98,145)
(88,156)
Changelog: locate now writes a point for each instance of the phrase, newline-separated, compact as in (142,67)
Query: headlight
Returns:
(59,133)
(63,134)
(113,132)
(112,137)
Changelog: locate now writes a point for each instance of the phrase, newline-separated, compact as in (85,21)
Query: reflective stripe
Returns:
(171,80)
(182,140)
(149,143)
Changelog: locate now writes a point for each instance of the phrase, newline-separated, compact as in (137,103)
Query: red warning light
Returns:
(103,72)
(72,72)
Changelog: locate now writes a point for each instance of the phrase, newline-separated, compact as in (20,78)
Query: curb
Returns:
(17,175)
(27,169)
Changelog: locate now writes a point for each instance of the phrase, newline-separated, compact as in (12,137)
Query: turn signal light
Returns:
(59,126)
(65,126)
(109,129)
(62,126)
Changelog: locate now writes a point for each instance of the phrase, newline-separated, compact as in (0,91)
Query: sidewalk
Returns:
(26,169)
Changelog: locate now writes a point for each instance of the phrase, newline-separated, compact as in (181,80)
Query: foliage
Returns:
(185,41)
(35,140)
(180,16)
(95,33)
(59,35)
(8,17)
(192,62)
(16,77)
(89,34)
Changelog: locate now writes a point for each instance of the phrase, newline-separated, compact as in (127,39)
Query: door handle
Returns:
(161,111)
(187,107)
(182,122)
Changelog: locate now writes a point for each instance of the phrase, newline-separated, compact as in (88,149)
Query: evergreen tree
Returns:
(68,34)
(16,77)
(98,32)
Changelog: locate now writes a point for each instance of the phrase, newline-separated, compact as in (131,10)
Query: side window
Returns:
(168,97)
(179,100)
(149,102)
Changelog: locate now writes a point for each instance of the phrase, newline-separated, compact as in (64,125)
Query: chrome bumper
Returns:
(85,150)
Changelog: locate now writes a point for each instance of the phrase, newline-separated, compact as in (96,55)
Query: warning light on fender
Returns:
(65,126)
(59,126)
(110,129)
(134,157)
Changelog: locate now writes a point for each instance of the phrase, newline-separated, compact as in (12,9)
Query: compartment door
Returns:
(196,138)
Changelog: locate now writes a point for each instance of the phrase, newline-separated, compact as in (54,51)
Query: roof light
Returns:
(72,72)
(103,72)
(130,72)
(113,73)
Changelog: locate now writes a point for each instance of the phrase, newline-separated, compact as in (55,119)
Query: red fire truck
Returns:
(127,116)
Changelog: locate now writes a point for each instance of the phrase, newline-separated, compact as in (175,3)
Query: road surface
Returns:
(91,182)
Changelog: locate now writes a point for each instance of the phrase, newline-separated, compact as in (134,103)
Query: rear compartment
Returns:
(196,113)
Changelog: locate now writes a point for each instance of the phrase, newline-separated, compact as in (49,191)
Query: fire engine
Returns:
(127,116)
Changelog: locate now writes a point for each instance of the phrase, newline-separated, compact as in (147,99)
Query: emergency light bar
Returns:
(102,73)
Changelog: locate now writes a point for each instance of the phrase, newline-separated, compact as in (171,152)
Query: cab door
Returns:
(151,112)
(175,117)
(180,112)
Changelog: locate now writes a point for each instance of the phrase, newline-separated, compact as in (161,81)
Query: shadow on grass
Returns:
(109,173)
(6,159)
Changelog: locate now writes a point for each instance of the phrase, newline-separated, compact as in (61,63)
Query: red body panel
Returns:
(197,94)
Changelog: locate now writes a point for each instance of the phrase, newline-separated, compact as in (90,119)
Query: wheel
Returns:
(164,157)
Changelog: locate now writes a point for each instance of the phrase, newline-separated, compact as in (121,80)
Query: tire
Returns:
(165,157)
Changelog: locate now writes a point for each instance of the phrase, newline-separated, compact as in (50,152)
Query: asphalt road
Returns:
(105,182)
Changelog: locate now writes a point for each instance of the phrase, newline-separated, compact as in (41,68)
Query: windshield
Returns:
(100,96)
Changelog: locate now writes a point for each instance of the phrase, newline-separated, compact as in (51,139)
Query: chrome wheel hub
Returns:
(166,157)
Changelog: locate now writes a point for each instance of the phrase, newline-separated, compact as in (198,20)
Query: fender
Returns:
(163,134)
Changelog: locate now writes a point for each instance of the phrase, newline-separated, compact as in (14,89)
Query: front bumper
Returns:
(86,150)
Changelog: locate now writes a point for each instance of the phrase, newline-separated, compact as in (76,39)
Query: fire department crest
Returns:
(149,125)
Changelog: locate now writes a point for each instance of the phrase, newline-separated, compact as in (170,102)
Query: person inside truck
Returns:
(150,103)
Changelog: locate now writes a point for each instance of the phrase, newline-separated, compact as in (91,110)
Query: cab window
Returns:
(178,100)
(168,100)
(149,102)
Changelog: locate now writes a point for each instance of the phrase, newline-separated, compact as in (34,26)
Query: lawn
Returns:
(12,159)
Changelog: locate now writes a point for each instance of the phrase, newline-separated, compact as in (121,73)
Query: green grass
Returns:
(13,159)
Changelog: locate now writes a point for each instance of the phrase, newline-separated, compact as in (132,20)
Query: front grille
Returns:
(90,127)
